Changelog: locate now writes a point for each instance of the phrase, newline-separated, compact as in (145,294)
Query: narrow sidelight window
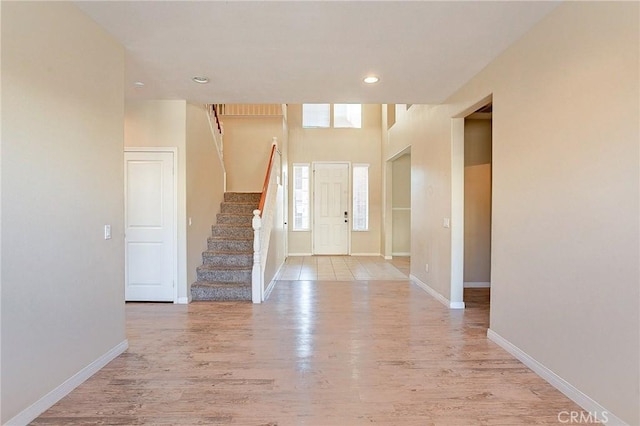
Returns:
(301,197)
(360,197)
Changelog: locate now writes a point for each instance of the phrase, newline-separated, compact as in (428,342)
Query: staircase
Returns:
(226,270)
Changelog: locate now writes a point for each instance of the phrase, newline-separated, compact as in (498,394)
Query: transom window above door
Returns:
(345,116)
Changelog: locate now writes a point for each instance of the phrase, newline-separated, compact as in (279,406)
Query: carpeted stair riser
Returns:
(227,259)
(232,232)
(220,292)
(222,245)
(243,197)
(224,274)
(234,219)
(238,208)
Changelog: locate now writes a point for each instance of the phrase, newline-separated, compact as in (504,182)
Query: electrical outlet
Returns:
(426,267)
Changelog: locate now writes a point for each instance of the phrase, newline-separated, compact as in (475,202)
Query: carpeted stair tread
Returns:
(229,245)
(226,258)
(227,252)
(219,284)
(234,219)
(232,225)
(242,196)
(232,231)
(220,291)
(223,268)
(238,208)
(230,238)
(235,274)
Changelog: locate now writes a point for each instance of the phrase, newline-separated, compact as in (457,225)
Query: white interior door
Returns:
(149,227)
(331,216)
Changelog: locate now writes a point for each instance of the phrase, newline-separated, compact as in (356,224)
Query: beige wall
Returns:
(477,201)
(421,128)
(477,141)
(205,186)
(565,196)
(62,181)
(247,145)
(401,205)
(354,145)
(477,224)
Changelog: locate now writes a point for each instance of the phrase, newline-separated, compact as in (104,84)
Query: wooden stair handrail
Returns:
(215,114)
(266,179)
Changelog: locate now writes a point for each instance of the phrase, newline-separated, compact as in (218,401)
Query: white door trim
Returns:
(174,249)
(313,200)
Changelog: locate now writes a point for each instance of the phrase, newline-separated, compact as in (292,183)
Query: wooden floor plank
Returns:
(316,353)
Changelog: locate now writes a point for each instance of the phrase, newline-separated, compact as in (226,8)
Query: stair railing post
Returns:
(256,272)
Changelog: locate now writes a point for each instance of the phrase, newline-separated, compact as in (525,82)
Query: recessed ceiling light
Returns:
(138,84)
(201,80)
(371,79)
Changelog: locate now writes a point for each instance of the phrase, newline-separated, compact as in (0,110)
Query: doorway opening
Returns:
(401,211)
(477,206)
(477,118)
(397,213)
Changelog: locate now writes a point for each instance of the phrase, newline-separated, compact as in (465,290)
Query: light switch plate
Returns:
(446,222)
(107,232)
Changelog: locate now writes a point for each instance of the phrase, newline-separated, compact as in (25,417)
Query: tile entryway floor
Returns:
(344,268)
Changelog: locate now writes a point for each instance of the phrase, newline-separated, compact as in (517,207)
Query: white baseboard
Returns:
(388,257)
(30,413)
(272,284)
(401,253)
(352,254)
(477,284)
(556,381)
(440,298)
(183,300)
(269,289)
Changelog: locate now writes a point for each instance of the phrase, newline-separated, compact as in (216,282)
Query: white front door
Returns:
(149,227)
(331,216)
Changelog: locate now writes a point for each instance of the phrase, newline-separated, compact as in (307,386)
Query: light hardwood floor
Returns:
(316,353)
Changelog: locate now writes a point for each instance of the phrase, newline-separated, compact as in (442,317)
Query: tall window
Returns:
(301,197)
(332,115)
(360,197)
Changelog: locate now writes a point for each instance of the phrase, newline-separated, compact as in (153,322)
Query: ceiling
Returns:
(309,51)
